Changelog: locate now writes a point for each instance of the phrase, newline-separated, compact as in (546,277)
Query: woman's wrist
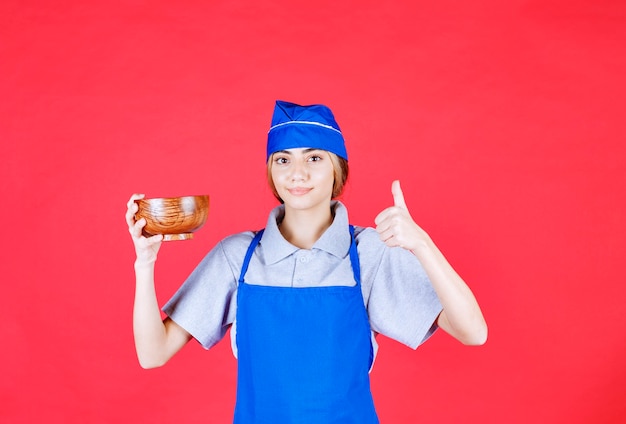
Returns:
(422,245)
(144,264)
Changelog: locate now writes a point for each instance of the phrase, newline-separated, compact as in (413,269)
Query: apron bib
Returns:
(304,353)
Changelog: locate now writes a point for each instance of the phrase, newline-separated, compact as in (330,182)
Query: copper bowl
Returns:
(177,218)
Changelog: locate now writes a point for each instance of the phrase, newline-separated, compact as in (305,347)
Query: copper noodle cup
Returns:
(177,218)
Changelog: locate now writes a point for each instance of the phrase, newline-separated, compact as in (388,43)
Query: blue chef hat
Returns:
(311,126)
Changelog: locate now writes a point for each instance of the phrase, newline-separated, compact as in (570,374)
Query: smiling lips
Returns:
(298,191)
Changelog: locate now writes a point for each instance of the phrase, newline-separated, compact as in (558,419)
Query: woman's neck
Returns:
(304,228)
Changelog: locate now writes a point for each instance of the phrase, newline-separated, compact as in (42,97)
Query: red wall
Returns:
(503,120)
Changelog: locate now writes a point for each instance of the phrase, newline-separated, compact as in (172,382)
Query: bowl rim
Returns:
(147,199)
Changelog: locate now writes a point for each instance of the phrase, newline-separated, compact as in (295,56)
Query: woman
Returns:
(305,296)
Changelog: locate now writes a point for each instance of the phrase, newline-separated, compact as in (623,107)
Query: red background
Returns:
(503,120)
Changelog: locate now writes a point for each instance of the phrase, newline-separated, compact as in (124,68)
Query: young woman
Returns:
(304,296)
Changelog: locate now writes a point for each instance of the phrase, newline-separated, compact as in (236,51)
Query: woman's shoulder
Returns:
(367,235)
(231,249)
(368,243)
(371,247)
(237,241)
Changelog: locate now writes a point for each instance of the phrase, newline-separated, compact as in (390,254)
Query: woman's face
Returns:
(303,177)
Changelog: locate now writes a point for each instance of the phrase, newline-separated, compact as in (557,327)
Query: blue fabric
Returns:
(313,126)
(304,353)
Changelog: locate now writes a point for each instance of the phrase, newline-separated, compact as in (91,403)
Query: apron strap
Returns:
(354,258)
(246,260)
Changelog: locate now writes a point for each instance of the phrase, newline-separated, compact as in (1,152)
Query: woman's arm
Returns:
(461,316)
(156,340)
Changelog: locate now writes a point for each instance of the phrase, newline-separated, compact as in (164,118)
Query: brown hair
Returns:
(340,169)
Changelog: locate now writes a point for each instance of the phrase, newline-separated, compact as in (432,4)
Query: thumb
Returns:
(398,197)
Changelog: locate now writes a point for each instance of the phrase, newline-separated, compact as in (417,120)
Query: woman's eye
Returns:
(315,158)
(280,160)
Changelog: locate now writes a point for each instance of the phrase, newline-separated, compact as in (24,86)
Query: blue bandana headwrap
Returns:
(313,126)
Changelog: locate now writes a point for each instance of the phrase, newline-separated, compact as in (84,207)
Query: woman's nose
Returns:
(298,171)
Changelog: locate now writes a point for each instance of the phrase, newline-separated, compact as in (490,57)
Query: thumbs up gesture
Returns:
(395,226)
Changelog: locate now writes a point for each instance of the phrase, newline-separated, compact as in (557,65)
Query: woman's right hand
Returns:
(146,248)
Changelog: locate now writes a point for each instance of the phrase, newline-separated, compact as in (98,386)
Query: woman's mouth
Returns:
(298,191)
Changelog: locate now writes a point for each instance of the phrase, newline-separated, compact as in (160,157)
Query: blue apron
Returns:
(303,353)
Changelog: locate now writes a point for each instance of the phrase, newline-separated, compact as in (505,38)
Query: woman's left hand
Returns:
(461,316)
(396,227)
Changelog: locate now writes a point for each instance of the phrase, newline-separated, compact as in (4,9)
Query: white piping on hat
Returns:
(305,122)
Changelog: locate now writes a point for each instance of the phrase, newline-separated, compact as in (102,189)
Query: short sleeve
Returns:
(402,304)
(205,304)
